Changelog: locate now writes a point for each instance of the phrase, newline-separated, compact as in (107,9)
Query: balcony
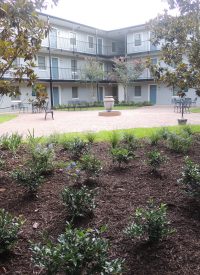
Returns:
(77,46)
(68,74)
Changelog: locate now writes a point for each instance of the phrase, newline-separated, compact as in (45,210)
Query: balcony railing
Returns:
(69,74)
(67,44)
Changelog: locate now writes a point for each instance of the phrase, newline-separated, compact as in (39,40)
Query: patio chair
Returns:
(194,102)
(177,105)
(48,111)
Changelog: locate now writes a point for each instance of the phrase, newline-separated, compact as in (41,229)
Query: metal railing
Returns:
(66,44)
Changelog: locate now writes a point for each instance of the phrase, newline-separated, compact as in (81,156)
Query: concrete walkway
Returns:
(80,121)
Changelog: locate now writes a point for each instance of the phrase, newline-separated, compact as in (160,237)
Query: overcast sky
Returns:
(108,14)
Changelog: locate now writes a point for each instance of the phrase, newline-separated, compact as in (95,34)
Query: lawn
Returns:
(195,110)
(7,117)
(119,190)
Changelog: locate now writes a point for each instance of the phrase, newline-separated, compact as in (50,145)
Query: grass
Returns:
(195,110)
(4,118)
(105,135)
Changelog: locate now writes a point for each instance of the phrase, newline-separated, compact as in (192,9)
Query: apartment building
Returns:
(60,63)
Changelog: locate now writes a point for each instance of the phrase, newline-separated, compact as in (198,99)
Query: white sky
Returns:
(108,14)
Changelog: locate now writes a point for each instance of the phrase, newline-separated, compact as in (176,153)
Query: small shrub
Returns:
(9,229)
(121,155)
(79,202)
(29,178)
(11,142)
(191,178)
(90,136)
(76,147)
(150,222)
(164,133)
(90,165)
(130,141)
(155,137)
(187,129)
(42,158)
(74,172)
(155,159)
(31,139)
(114,139)
(179,143)
(78,251)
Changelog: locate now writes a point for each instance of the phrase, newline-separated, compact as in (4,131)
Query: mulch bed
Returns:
(119,193)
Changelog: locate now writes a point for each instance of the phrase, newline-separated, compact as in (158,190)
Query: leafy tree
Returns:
(179,37)
(126,71)
(21,34)
(92,72)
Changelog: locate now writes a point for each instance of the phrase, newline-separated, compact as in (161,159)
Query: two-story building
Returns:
(60,63)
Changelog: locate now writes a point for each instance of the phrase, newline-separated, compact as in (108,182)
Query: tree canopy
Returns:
(179,38)
(21,34)
(126,72)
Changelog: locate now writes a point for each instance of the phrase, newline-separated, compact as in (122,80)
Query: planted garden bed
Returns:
(119,190)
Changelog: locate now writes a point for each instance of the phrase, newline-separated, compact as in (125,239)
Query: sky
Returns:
(108,14)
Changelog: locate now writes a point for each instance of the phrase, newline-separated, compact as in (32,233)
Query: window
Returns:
(91,42)
(138,92)
(72,38)
(41,63)
(113,47)
(74,92)
(154,61)
(138,41)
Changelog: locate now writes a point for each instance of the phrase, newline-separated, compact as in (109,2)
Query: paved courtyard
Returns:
(80,121)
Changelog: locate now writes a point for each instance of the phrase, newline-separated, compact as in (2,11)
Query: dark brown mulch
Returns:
(119,193)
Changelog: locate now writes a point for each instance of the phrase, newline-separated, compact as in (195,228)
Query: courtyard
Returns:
(81,121)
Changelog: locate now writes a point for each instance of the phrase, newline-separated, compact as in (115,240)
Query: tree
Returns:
(93,73)
(179,37)
(126,72)
(21,34)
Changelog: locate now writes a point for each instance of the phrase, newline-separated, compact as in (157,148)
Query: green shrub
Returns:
(90,165)
(191,178)
(121,155)
(79,202)
(164,133)
(29,178)
(11,142)
(77,252)
(188,130)
(90,136)
(155,159)
(76,147)
(130,141)
(42,158)
(9,229)
(150,222)
(179,143)
(155,137)
(74,172)
(114,139)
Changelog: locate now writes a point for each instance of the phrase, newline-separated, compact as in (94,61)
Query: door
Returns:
(54,66)
(100,94)
(100,46)
(56,98)
(153,94)
(53,38)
